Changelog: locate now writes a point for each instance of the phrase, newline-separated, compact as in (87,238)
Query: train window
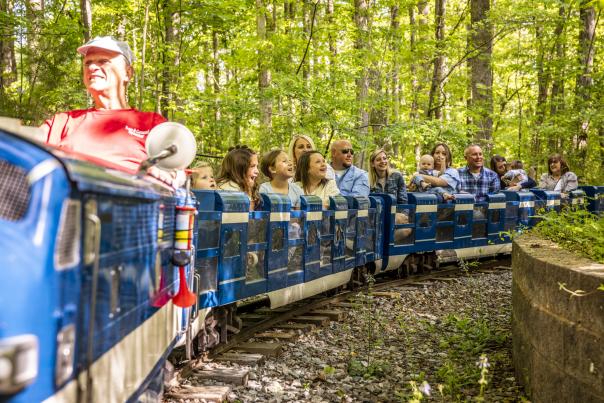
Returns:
(371,218)
(511,211)
(495,216)
(208,234)
(370,241)
(445,213)
(254,269)
(295,228)
(362,227)
(352,222)
(207,270)
(256,231)
(524,215)
(325,252)
(462,218)
(403,236)
(326,225)
(312,233)
(480,212)
(338,233)
(232,239)
(424,220)
(295,258)
(444,234)
(277,241)
(479,230)
(350,244)
(410,213)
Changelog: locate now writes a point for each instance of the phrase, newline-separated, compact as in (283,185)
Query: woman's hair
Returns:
(234,168)
(268,161)
(449,156)
(494,160)
(373,177)
(303,167)
(557,158)
(292,146)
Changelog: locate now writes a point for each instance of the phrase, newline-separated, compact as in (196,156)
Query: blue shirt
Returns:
(451,176)
(294,192)
(353,182)
(485,183)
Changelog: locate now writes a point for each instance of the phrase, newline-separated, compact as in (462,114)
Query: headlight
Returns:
(18,362)
(65,354)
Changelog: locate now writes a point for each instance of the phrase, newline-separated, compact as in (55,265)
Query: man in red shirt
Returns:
(111,130)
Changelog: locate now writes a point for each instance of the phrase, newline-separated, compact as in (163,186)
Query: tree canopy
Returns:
(523,78)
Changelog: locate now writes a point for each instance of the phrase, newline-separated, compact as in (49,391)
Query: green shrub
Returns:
(576,230)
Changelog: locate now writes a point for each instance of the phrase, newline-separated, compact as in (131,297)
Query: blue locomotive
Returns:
(93,259)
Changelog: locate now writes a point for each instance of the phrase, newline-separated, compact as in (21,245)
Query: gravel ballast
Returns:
(431,335)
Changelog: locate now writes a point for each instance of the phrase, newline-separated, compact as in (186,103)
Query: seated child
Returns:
(426,167)
(418,184)
(202,177)
(515,174)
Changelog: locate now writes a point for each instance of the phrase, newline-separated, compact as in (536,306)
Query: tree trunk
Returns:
(86,15)
(216,87)
(143,55)
(264,73)
(557,92)
(361,19)
(584,81)
(481,72)
(436,89)
(306,25)
(8,63)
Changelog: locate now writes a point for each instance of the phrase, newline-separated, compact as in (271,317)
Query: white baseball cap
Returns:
(108,43)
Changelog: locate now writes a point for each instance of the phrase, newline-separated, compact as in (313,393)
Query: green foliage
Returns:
(577,230)
(210,73)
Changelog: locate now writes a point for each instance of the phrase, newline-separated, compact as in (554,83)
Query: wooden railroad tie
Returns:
(285,336)
(204,393)
(332,314)
(266,349)
(235,376)
(315,320)
(240,358)
(304,327)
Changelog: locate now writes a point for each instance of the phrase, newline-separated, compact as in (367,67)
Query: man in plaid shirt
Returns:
(475,178)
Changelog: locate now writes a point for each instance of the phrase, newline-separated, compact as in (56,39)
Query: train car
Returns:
(88,275)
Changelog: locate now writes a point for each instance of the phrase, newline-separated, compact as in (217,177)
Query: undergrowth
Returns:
(577,230)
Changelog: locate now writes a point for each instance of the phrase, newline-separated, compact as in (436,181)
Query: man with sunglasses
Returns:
(352,181)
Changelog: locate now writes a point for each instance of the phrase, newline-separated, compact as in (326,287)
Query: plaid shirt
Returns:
(395,185)
(486,183)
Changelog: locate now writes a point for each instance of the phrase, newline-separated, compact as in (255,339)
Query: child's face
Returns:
(204,180)
(317,167)
(283,167)
(252,171)
(426,163)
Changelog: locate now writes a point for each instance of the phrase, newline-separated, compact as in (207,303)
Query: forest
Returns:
(523,78)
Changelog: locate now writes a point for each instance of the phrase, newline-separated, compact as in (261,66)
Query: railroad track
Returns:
(276,318)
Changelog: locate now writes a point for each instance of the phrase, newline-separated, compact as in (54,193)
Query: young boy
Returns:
(426,167)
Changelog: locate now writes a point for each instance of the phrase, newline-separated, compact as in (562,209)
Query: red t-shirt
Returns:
(117,136)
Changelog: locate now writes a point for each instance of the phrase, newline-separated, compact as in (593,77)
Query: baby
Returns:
(515,174)
(202,177)
(426,167)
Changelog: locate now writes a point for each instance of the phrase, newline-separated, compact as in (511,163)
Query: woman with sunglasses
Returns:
(559,176)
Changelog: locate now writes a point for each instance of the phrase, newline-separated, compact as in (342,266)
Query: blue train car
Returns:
(97,278)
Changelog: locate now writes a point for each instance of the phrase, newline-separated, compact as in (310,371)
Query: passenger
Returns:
(448,178)
(515,174)
(475,178)
(202,177)
(498,165)
(426,167)
(238,172)
(310,176)
(384,179)
(300,144)
(559,177)
(277,166)
(351,181)
(111,130)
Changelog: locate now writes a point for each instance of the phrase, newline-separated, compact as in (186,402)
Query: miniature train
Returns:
(93,258)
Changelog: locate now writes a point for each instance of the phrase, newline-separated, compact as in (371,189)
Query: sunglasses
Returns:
(347,151)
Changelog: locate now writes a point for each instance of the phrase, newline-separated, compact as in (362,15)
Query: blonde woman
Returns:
(384,179)
(301,144)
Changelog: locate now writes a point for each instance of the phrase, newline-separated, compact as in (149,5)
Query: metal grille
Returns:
(67,250)
(133,221)
(169,217)
(14,192)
